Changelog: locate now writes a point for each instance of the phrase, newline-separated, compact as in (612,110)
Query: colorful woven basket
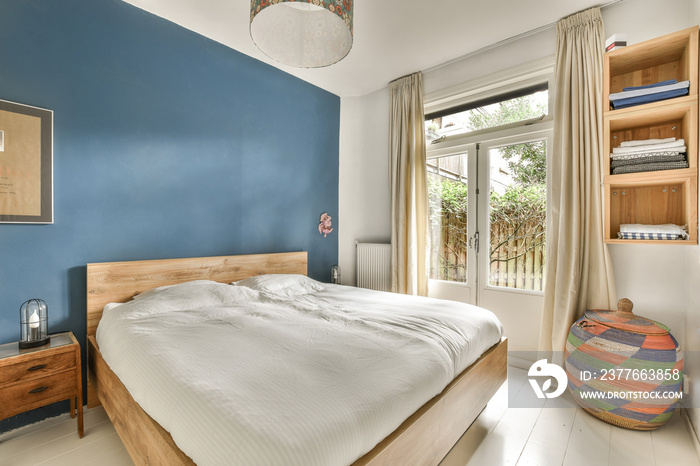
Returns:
(624,369)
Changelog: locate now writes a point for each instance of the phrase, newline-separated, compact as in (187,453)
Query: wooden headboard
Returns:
(118,282)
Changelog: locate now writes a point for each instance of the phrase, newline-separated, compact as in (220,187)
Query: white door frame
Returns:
(478,204)
(484,181)
(458,291)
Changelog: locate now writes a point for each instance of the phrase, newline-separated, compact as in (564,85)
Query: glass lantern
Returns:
(34,323)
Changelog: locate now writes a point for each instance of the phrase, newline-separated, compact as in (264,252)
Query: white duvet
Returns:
(299,373)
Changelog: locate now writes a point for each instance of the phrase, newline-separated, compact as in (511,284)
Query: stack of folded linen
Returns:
(648,155)
(631,96)
(667,231)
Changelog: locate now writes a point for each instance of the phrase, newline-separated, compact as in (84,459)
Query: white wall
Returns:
(646,19)
(662,281)
(653,277)
(364,207)
(692,331)
(692,304)
(478,65)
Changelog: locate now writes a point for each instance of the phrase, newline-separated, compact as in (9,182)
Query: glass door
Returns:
(512,225)
(452,187)
(488,223)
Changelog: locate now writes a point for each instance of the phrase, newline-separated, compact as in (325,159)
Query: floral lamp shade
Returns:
(303,33)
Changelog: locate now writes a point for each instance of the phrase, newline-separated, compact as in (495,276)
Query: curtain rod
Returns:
(508,40)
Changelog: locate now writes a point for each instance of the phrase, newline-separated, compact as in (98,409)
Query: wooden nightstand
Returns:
(35,377)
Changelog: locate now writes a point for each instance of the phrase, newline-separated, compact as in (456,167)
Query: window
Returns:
(522,105)
(517,215)
(448,198)
(508,180)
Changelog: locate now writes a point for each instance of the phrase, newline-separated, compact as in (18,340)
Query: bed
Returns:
(424,437)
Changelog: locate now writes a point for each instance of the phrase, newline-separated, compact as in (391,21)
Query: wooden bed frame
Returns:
(423,439)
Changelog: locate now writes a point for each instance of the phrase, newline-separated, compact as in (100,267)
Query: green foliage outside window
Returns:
(517,215)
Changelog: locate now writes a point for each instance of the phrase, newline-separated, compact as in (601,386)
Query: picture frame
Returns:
(26,163)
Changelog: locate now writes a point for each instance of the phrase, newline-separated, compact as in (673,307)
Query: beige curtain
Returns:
(579,272)
(409,187)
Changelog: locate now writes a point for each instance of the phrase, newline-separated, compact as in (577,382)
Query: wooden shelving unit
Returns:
(659,197)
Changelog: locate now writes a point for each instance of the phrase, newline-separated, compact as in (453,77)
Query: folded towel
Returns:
(667,229)
(644,155)
(648,159)
(644,91)
(661,83)
(649,167)
(648,236)
(674,145)
(645,142)
(647,99)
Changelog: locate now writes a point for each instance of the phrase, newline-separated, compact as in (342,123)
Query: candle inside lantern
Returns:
(33,323)
(34,326)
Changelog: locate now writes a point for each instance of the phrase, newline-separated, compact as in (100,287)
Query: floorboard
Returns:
(537,436)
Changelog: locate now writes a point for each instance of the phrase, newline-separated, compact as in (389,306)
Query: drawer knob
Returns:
(38,390)
(36,368)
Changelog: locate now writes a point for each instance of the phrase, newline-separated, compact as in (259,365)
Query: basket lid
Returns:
(624,319)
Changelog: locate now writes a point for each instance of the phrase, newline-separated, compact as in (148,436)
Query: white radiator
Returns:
(374,266)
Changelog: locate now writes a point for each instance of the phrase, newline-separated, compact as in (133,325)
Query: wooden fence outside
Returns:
(517,255)
(449,238)
(516,251)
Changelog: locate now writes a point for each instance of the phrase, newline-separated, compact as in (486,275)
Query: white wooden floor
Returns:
(55,442)
(565,436)
(499,436)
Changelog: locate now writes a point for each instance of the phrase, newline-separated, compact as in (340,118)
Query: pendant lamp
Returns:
(302,33)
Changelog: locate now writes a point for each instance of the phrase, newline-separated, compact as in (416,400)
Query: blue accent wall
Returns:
(166,144)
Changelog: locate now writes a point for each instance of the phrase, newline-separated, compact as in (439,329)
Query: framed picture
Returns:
(26,164)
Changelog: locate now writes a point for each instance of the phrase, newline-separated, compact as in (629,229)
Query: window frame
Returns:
(542,134)
(503,83)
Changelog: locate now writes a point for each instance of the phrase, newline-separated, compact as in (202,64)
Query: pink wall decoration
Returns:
(325,226)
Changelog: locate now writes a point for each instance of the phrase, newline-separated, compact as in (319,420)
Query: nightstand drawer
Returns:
(23,396)
(37,367)
(34,377)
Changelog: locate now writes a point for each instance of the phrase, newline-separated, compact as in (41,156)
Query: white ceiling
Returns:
(392,38)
